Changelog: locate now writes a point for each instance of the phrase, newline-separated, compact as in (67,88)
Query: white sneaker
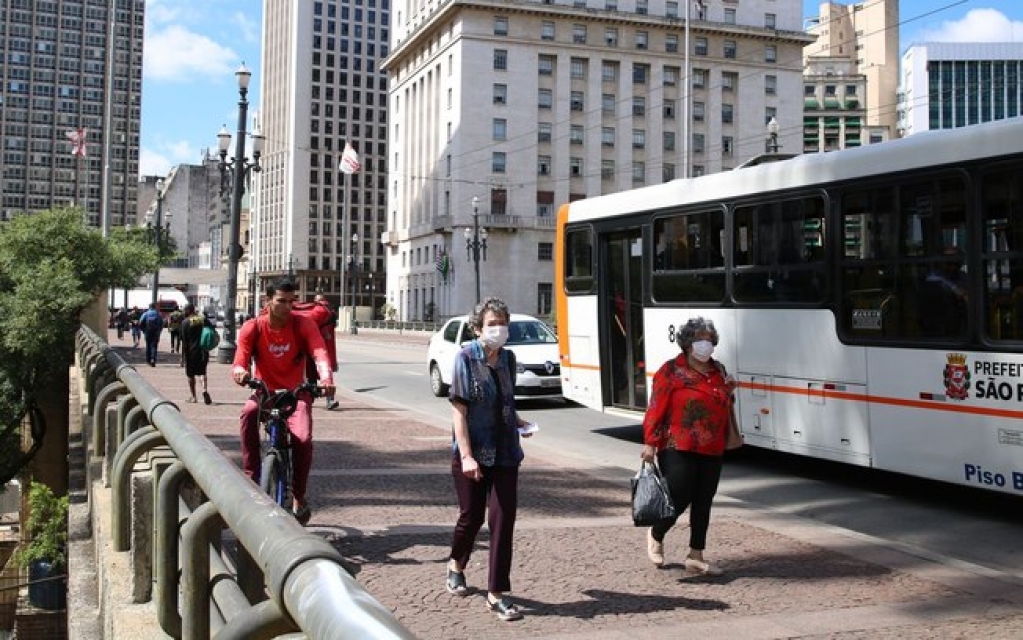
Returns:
(654,549)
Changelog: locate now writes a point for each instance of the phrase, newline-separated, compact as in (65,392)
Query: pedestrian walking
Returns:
(174,328)
(486,454)
(151,323)
(328,329)
(121,322)
(133,324)
(196,358)
(686,428)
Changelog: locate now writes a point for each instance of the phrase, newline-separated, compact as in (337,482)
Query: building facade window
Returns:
(498,162)
(545,64)
(668,109)
(730,49)
(607,169)
(639,106)
(771,53)
(727,146)
(500,94)
(545,99)
(500,60)
(611,36)
(670,76)
(607,104)
(544,131)
(547,30)
(579,33)
(575,167)
(669,140)
(770,20)
(671,43)
(578,68)
(699,78)
(638,138)
(543,165)
(729,15)
(500,26)
(500,129)
(607,136)
(638,172)
(642,40)
(576,134)
(698,143)
(545,251)
(700,48)
(698,111)
(727,112)
(770,85)
(609,71)
(576,101)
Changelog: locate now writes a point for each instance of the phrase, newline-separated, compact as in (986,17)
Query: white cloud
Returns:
(177,54)
(979,25)
(249,28)
(158,161)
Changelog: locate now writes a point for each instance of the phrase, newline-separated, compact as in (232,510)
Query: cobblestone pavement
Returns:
(381,492)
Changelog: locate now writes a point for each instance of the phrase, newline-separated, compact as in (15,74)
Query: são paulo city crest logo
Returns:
(956,376)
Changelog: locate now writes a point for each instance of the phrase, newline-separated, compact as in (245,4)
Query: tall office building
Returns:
(69,68)
(322,87)
(507,111)
(867,35)
(949,85)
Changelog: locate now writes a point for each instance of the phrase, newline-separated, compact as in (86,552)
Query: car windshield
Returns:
(530,332)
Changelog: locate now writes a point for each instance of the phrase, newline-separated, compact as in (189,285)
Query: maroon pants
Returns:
(300,424)
(495,495)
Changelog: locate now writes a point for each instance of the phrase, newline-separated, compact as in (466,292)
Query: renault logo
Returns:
(548,367)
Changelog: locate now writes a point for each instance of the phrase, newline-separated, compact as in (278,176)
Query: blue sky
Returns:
(194,47)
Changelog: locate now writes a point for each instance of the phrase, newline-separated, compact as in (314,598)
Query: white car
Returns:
(536,352)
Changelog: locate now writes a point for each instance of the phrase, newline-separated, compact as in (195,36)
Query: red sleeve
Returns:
(246,344)
(309,335)
(656,420)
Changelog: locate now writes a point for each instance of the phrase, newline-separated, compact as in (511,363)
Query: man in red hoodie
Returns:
(279,342)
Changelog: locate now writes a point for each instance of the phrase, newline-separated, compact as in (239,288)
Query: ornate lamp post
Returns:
(352,273)
(475,240)
(156,238)
(772,135)
(237,168)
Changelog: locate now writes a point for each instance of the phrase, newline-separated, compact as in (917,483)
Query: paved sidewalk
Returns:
(381,492)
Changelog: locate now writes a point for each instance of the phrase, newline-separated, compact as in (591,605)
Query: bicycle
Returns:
(275,407)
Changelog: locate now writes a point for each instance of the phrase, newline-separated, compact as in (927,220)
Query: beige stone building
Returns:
(857,45)
(500,112)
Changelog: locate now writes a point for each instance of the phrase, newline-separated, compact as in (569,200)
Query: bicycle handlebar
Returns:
(310,387)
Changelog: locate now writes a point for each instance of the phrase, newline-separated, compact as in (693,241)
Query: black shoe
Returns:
(303,514)
(332,404)
(505,609)
(206,397)
(456,583)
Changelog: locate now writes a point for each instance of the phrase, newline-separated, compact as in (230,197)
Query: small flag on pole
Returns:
(443,264)
(78,138)
(349,160)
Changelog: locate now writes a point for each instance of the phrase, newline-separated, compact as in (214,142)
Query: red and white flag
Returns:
(349,160)
(78,138)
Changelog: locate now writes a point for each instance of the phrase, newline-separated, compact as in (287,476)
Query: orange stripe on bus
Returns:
(857,397)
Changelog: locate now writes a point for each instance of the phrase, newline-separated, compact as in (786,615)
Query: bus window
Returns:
(919,291)
(689,257)
(1002,252)
(778,251)
(579,260)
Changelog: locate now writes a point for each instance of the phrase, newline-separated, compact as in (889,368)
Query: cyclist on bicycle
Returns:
(278,342)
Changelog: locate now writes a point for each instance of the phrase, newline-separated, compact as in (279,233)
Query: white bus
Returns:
(869,301)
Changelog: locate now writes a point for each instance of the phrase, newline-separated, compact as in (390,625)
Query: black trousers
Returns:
(692,480)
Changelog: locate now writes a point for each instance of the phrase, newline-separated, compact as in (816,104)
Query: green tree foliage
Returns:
(52,266)
(47,527)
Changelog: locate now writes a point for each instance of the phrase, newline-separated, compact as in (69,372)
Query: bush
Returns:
(46,526)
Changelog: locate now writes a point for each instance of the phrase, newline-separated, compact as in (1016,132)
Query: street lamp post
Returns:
(156,237)
(352,273)
(240,166)
(475,240)
(772,135)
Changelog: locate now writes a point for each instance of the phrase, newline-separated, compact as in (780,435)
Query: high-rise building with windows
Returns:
(508,111)
(949,85)
(865,34)
(322,88)
(71,68)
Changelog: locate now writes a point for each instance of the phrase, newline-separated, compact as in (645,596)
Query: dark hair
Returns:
(189,308)
(685,336)
(495,305)
(284,284)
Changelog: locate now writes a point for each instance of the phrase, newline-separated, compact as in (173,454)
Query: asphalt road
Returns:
(931,520)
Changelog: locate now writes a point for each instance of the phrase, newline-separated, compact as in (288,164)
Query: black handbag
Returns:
(651,501)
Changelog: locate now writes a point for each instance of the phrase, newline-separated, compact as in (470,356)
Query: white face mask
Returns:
(494,337)
(702,350)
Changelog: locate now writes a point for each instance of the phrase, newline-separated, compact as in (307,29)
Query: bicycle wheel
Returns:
(273,481)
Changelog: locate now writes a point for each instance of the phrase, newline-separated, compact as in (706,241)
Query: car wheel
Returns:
(436,382)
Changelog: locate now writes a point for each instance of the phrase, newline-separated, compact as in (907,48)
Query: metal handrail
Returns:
(299,567)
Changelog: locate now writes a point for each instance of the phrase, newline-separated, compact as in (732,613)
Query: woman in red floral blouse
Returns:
(685,428)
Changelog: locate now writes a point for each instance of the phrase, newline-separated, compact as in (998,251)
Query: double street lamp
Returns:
(156,238)
(475,241)
(353,272)
(236,169)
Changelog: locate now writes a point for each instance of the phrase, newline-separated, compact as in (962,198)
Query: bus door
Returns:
(622,364)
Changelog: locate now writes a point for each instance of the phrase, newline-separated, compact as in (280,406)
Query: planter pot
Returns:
(46,594)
